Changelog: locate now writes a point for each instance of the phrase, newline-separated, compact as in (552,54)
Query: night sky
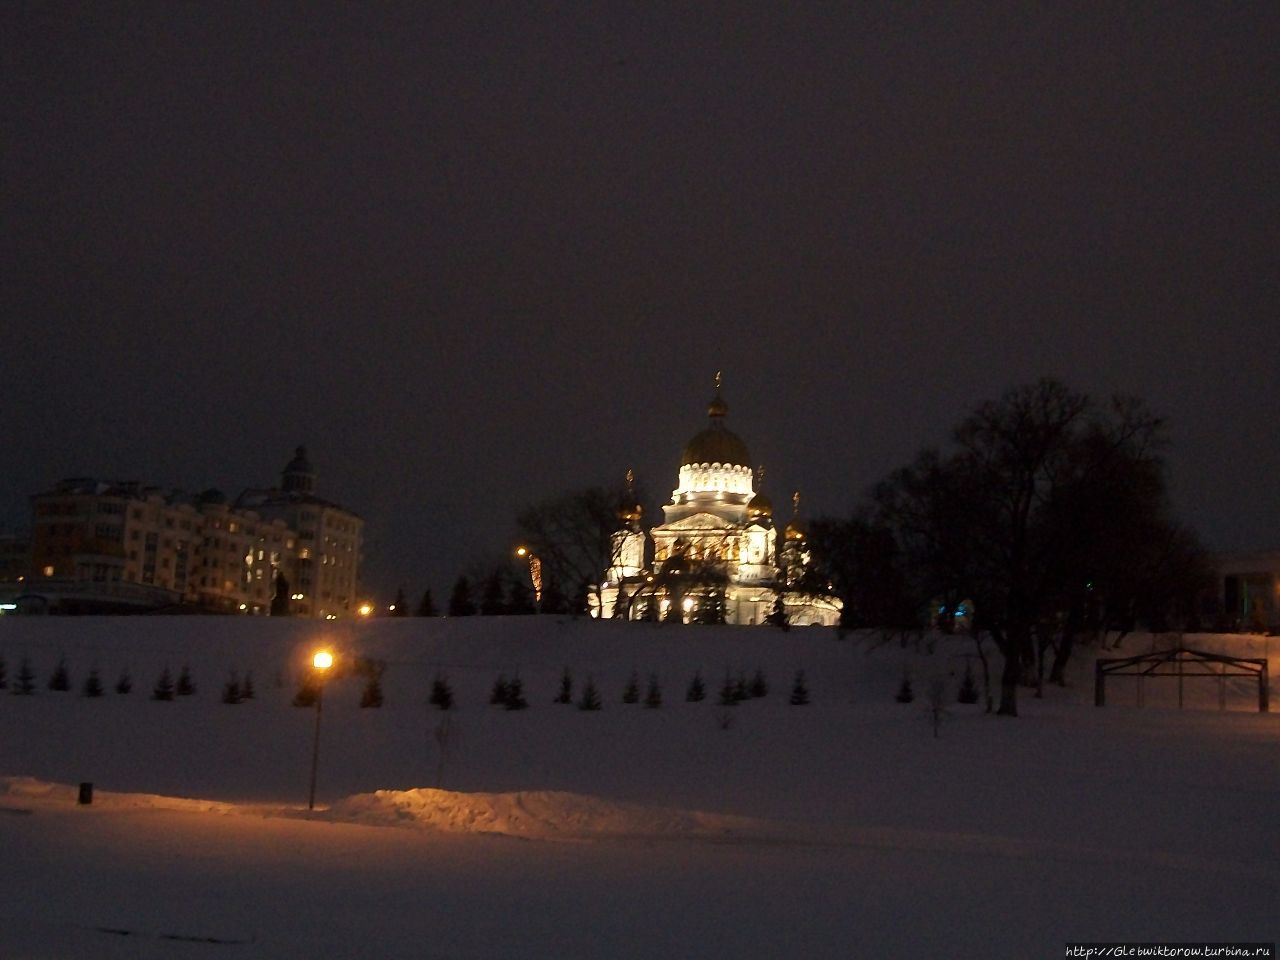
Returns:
(475,255)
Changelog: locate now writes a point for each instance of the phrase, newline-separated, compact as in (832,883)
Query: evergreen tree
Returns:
(26,679)
(500,692)
(590,696)
(741,689)
(372,694)
(185,685)
(905,693)
(281,598)
(653,695)
(712,608)
(728,692)
(92,684)
(778,615)
(553,598)
(164,686)
(566,687)
(968,692)
(60,680)
(246,689)
(460,603)
(441,693)
(697,691)
(631,693)
(515,694)
(427,607)
(400,603)
(125,684)
(492,598)
(759,685)
(4,674)
(799,691)
(231,692)
(519,599)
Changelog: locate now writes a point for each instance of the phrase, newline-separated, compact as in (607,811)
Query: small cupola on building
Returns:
(298,475)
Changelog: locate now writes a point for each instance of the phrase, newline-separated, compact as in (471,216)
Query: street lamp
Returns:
(321,662)
(535,574)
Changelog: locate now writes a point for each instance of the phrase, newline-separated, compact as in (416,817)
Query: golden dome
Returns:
(760,506)
(795,530)
(716,444)
(630,512)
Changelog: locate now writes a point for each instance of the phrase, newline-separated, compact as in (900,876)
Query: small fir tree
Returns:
(799,691)
(92,684)
(164,687)
(566,688)
(26,685)
(778,615)
(493,601)
(186,686)
(590,696)
(728,692)
(741,689)
(631,692)
(905,694)
(519,599)
(759,685)
(246,689)
(231,691)
(124,685)
(400,603)
(697,691)
(515,694)
(500,692)
(460,602)
(441,693)
(968,692)
(60,679)
(653,694)
(371,697)
(427,606)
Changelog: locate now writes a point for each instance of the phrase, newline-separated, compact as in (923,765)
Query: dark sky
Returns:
(472,255)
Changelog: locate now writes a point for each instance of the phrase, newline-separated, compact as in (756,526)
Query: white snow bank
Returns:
(541,814)
(532,815)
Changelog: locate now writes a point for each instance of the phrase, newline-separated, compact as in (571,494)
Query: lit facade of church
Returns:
(717,554)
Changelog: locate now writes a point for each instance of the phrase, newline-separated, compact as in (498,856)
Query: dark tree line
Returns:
(1046,519)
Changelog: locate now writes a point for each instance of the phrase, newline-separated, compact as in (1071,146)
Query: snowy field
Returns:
(842,828)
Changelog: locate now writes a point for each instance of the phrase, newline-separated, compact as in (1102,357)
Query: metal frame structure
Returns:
(1174,665)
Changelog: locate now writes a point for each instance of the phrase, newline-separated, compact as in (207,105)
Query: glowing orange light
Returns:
(323,660)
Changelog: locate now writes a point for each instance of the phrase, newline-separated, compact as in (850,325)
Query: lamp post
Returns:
(321,663)
(535,575)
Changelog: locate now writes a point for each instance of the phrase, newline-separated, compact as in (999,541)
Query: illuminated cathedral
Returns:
(717,556)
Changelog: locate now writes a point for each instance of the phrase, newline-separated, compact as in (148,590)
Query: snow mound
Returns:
(540,815)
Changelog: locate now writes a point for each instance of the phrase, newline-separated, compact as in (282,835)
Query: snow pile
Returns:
(539,814)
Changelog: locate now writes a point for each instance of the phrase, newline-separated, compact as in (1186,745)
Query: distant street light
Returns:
(365,609)
(535,575)
(321,663)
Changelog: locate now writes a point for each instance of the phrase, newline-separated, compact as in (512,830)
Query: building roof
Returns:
(717,443)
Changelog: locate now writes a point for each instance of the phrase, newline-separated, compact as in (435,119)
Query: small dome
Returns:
(630,512)
(299,463)
(795,530)
(760,506)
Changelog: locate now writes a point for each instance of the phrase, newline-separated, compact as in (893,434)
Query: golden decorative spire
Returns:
(760,474)
(718,381)
(631,479)
(795,504)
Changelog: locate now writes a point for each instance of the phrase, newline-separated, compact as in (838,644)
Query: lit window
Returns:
(48,571)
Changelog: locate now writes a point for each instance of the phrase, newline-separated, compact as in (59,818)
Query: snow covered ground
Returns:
(840,828)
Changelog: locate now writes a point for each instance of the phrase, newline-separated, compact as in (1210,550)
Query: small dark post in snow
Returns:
(86,794)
